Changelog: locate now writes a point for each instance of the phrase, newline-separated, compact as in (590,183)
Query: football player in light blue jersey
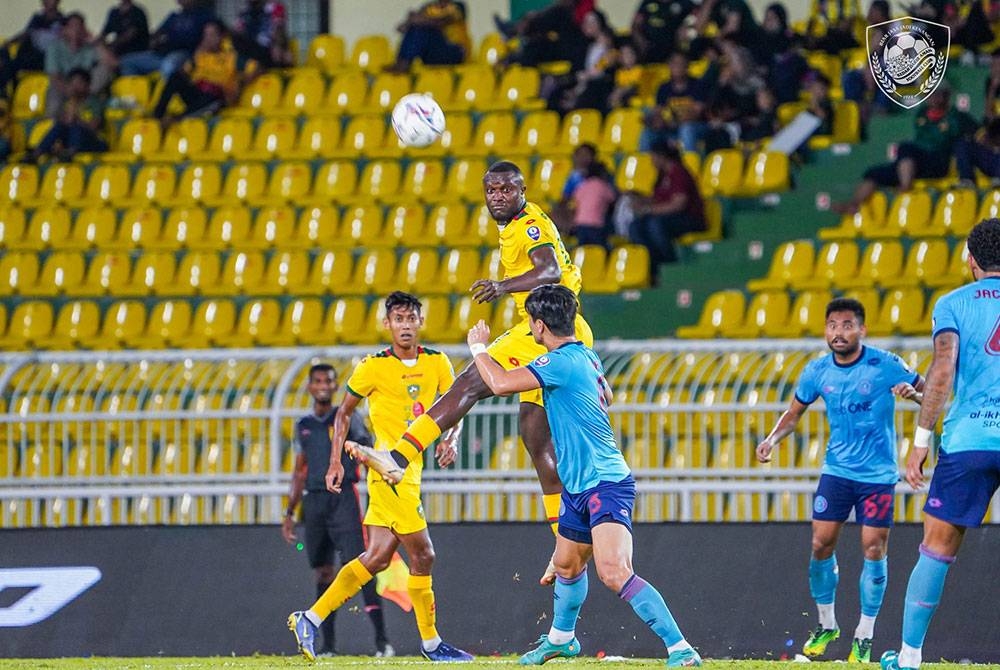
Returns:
(859,385)
(595,515)
(967,329)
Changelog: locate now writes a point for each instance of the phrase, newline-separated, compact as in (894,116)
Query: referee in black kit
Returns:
(332,520)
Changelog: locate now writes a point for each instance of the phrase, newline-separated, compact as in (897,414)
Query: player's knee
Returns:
(822,547)
(422,560)
(375,561)
(613,574)
(875,550)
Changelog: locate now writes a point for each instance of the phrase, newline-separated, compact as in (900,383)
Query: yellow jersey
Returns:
(398,392)
(529,230)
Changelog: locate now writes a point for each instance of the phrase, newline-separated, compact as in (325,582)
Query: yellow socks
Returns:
(422,432)
(422,596)
(550,501)
(349,581)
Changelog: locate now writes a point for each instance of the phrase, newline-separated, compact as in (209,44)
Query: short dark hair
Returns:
(984,244)
(402,299)
(504,167)
(846,305)
(74,15)
(555,305)
(322,367)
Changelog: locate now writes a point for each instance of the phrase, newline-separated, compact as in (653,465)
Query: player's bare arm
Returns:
(299,471)
(546,270)
(785,426)
(341,425)
(447,448)
(913,392)
(937,390)
(500,381)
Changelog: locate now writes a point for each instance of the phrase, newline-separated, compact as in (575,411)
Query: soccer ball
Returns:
(417,120)
(906,57)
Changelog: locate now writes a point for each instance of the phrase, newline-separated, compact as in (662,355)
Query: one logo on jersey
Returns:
(418,408)
(534,232)
(865,387)
(413,390)
(856,407)
(820,504)
(541,361)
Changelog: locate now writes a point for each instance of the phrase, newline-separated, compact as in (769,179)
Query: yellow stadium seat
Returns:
(152,274)
(449,227)
(455,139)
(362,227)
(12,227)
(345,321)
(492,49)
(385,90)
(29,96)
(379,181)
(244,182)
(229,227)
(289,183)
(94,227)
(958,271)
(767,312)
(286,272)
(196,272)
(317,227)
(18,183)
(925,262)
(518,89)
(274,139)
(989,207)
(41,460)
(140,227)
(475,90)
(330,273)
(846,122)
(258,318)
(484,226)
(955,213)
(834,260)
(505,317)
(578,127)
(153,184)
(47,226)
(347,92)
(628,267)
(230,137)
(636,173)
(198,183)
(882,262)
(807,317)
(107,184)
(326,52)
(902,311)
(692,162)
(766,172)
(787,112)
(467,312)
(371,53)
(17,270)
(363,134)
(869,218)
(439,83)
(909,216)
(183,227)
(39,129)
(242,273)
(77,321)
(319,137)
(459,269)
(721,172)
(621,130)
(418,270)
(548,178)
(213,320)
(593,263)
(107,274)
(436,310)
(791,262)
(722,310)
(133,90)
(374,272)
(303,94)
(169,322)
(272,227)
(424,180)
(138,140)
(537,133)
(62,183)
(61,270)
(30,323)
(494,134)
(464,181)
(184,139)
(301,324)
(123,321)
(406,225)
(260,97)
(335,182)
(714,229)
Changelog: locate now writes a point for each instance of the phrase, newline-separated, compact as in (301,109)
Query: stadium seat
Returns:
(383,92)
(94,228)
(19,183)
(869,218)
(326,52)
(335,182)
(459,269)
(834,260)
(289,183)
(494,134)
(766,172)
(767,312)
(475,90)
(213,320)
(12,227)
(436,310)
(30,323)
(303,94)
(628,267)
(482,224)
(183,226)
(439,83)
(330,273)
(198,183)
(418,270)
(107,273)
(242,273)
(492,49)
(347,92)
(286,272)
(467,312)
(29,96)
(244,182)
(138,140)
(380,181)
(902,311)
(869,297)
(77,321)
(807,316)
(423,180)
(989,206)
(548,178)
(926,261)
(152,274)
(505,317)
(318,227)
(714,228)
(272,227)
(958,271)
(140,227)
(362,227)
(47,225)
(62,183)
(258,98)
(592,260)
(123,321)
(578,127)
(230,138)
(882,262)
(537,133)
(301,325)
(153,184)
(621,130)
(518,89)
(636,173)
(169,322)
(449,227)
(374,272)
(133,91)
(41,460)
(184,139)
(791,262)
(274,139)
(319,137)
(228,228)
(721,173)
(406,225)
(258,318)
(954,213)
(455,139)
(464,182)
(364,133)
(909,216)
(60,270)
(196,272)
(107,184)
(846,122)
(345,321)
(371,53)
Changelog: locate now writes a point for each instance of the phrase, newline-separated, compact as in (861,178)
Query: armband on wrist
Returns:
(922,437)
(477,348)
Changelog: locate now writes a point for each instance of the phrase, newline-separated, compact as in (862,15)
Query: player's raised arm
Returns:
(500,381)
(937,390)
(786,425)
(341,426)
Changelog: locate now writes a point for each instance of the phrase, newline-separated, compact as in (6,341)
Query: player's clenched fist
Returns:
(479,333)
(764,450)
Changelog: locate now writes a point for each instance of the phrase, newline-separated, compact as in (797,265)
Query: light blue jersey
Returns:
(973,311)
(859,408)
(572,380)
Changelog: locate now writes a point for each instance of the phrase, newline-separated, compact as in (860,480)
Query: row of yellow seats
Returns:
(797,266)
(915,214)
(373,52)
(141,510)
(904,311)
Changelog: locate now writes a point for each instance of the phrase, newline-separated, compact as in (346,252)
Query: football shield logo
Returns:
(908,58)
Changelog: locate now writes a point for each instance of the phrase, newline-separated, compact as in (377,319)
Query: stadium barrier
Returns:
(189,437)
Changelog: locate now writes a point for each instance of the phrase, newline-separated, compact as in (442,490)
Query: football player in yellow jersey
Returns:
(532,254)
(399,383)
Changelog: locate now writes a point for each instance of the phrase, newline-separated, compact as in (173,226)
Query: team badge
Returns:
(865,387)
(820,504)
(413,390)
(906,61)
(541,361)
(534,232)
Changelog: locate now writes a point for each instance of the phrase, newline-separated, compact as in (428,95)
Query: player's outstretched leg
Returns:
(305,624)
(305,633)
(533,425)
(560,642)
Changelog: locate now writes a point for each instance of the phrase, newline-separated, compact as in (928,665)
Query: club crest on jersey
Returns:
(413,390)
(865,387)
(534,233)
(541,361)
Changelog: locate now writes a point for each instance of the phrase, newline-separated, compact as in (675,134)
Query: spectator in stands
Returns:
(73,50)
(436,33)
(820,104)
(680,109)
(993,87)
(675,208)
(173,42)
(553,34)
(593,199)
(210,81)
(763,123)
(738,81)
(777,51)
(938,127)
(732,18)
(655,25)
(627,77)
(261,34)
(41,32)
(126,29)
(982,152)
(77,123)
(859,84)
(587,88)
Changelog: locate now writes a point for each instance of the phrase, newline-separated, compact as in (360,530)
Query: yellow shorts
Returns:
(517,347)
(398,510)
